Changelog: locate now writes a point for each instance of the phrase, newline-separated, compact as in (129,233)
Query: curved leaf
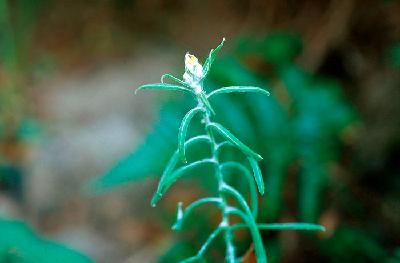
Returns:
(257,174)
(232,89)
(181,214)
(284,226)
(163,86)
(165,184)
(183,130)
(252,186)
(175,157)
(211,57)
(250,221)
(222,145)
(229,136)
(236,119)
(164,76)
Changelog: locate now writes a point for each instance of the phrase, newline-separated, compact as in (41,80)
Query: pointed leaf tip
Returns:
(179,216)
(257,175)
(211,57)
(155,199)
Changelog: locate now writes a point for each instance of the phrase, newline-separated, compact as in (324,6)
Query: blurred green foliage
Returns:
(19,244)
(393,55)
(17,21)
(349,244)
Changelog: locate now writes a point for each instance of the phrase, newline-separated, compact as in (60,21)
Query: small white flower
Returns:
(193,72)
(193,66)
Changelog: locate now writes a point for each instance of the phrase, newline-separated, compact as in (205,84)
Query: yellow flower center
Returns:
(191,60)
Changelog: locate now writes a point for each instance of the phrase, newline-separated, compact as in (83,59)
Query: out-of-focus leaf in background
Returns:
(19,244)
(160,143)
(350,244)
(278,48)
(393,55)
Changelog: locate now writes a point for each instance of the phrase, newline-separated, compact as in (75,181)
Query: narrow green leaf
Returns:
(20,243)
(211,57)
(205,101)
(229,136)
(284,226)
(235,116)
(163,86)
(232,89)
(181,214)
(170,76)
(250,221)
(173,161)
(257,174)
(183,130)
(249,177)
(222,145)
(292,226)
(169,179)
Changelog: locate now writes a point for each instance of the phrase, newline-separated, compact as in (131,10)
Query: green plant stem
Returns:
(250,221)
(228,236)
(223,189)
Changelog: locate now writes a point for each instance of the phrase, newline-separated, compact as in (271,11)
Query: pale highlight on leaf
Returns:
(163,86)
(170,76)
(243,89)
